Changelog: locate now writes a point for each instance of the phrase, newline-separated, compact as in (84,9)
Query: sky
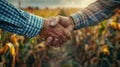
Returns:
(53,3)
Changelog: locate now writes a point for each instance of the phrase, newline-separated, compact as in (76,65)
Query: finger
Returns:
(60,37)
(67,34)
(60,40)
(54,21)
(58,45)
(49,41)
(55,42)
(64,39)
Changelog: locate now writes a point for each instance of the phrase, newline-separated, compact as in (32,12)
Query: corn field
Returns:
(96,46)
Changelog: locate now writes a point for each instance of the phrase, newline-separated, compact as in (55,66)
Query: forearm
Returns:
(18,21)
(94,13)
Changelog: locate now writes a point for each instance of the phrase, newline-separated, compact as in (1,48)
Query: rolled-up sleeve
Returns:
(17,21)
(95,13)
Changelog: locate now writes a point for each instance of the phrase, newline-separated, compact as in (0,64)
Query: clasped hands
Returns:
(57,30)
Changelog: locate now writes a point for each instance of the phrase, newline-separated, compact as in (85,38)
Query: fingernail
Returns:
(52,23)
(50,38)
(56,39)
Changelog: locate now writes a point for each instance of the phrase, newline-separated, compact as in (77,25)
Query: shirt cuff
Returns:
(76,20)
(33,26)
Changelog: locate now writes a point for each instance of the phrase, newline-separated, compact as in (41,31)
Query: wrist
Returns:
(71,21)
(44,24)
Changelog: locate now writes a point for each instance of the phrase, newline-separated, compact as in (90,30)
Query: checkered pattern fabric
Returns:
(95,13)
(18,21)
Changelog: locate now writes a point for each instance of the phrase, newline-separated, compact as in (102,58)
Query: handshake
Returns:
(57,30)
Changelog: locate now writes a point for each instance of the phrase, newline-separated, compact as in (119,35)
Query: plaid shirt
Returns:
(95,13)
(18,21)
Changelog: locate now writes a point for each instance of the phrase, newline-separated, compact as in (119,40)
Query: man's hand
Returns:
(56,35)
(65,22)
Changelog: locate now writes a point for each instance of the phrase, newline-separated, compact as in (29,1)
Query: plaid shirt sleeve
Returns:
(18,21)
(95,13)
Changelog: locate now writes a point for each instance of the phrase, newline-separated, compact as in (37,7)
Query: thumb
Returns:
(54,21)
